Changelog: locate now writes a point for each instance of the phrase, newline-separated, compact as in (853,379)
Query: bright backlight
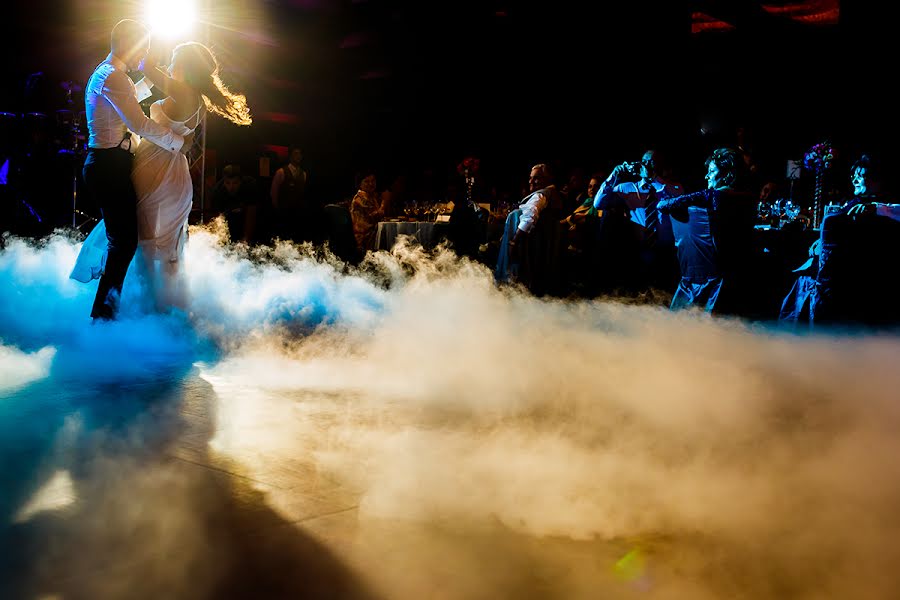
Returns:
(170,19)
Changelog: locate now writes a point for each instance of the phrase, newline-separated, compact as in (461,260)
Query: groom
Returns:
(113,113)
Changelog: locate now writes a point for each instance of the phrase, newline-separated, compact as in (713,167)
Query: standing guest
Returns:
(646,245)
(716,250)
(292,213)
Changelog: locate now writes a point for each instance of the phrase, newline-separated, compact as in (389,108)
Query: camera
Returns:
(634,168)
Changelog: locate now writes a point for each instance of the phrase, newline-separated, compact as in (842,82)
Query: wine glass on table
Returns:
(791,210)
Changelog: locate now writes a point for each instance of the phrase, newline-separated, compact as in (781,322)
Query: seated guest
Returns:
(580,232)
(366,211)
(855,281)
(394,198)
(857,248)
(468,221)
(866,177)
(769,191)
(585,207)
(868,199)
(574,192)
(339,232)
(768,196)
(543,196)
(515,262)
(716,249)
(235,197)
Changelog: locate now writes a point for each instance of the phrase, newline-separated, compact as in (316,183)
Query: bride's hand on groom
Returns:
(153,59)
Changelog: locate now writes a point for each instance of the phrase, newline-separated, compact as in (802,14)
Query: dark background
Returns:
(407,86)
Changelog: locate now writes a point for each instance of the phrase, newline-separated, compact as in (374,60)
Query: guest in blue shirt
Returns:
(643,237)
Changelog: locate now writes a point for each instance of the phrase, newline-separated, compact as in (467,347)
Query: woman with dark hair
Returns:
(856,250)
(366,210)
(867,180)
(812,296)
(162,179)
(714,239)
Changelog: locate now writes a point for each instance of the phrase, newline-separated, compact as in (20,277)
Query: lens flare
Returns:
(170,19)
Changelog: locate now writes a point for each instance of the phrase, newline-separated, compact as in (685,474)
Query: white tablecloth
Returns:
(387,233)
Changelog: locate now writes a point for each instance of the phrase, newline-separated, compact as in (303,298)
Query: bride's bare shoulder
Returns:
(183,104)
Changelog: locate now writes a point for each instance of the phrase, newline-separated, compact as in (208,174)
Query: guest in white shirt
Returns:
(520,226)
(543,194)
(115,119)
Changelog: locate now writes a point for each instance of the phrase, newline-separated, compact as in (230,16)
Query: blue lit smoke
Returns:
(235,297)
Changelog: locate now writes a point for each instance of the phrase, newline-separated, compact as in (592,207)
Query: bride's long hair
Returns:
(201,72)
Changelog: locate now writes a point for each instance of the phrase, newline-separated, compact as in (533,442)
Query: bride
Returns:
(161,178)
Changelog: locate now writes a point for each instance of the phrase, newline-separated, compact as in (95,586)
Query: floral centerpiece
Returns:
(818,159)
(469,166)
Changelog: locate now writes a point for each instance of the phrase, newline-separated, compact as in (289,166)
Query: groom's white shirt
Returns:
(112,106)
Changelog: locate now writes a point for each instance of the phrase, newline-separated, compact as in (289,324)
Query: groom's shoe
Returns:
(104,311)
(102,314)
(107,310)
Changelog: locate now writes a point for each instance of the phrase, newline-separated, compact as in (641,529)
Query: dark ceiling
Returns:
(411,82)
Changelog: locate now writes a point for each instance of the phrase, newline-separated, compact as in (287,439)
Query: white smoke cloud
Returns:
(745,461)
(18,368)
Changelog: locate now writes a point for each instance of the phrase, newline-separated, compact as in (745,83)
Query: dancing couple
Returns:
(136,169)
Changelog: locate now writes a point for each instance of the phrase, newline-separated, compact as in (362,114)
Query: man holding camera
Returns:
(628,199)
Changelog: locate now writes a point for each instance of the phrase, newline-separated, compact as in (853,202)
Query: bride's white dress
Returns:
(162,181)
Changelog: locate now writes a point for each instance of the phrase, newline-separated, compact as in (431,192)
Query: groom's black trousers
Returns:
(107,178)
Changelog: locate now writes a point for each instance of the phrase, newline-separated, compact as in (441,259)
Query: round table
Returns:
(426,233)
